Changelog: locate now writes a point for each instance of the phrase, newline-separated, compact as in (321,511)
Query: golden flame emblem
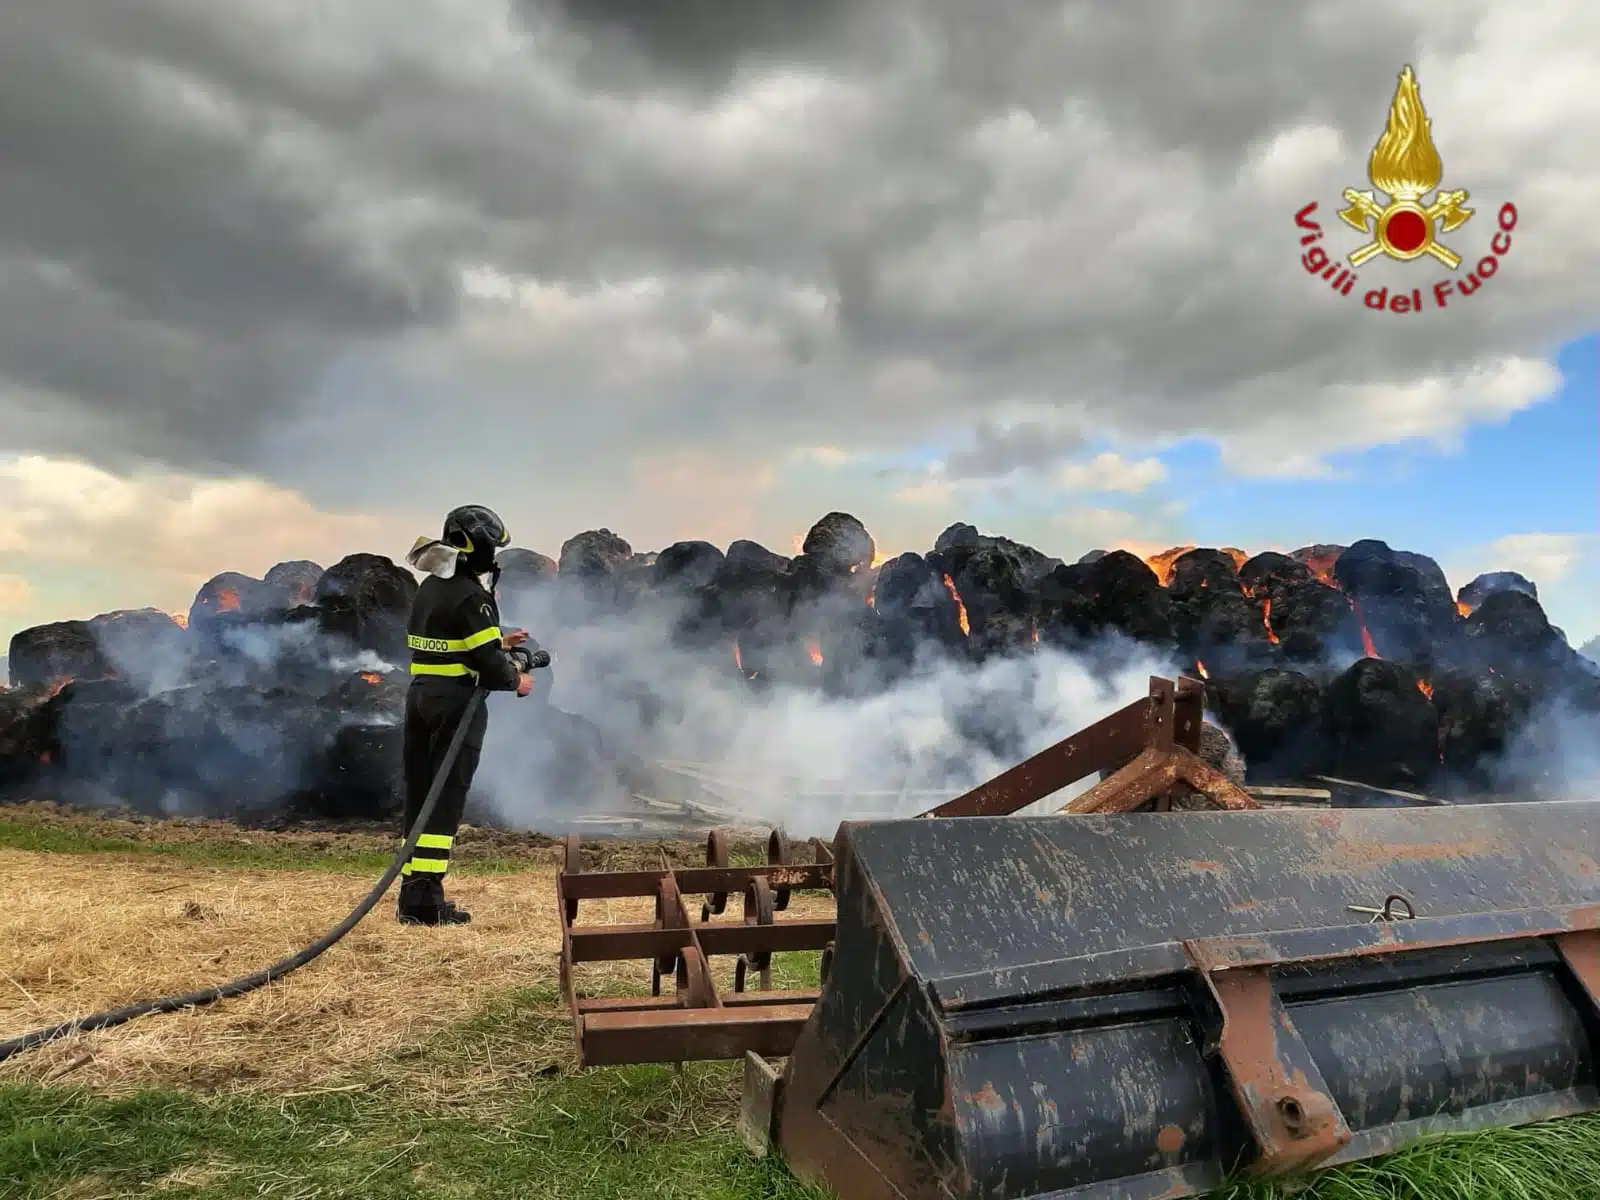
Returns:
(1405,165)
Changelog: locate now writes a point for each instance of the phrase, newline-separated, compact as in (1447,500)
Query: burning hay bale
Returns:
(687,573)
(227,599)
(1276,718)
(520,569)
(48,655)
(951,547)
(1479,589)
(297,580)
(1480,713)
(1114,594)
(1403,601)
(837,545)
(919,606)
(752,589)
(366,599)
(592,560)
(24,739)
(995,609)
(1382,728)
(1510,632)
(285,694)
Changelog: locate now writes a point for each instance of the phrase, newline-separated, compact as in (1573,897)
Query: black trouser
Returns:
(433,711)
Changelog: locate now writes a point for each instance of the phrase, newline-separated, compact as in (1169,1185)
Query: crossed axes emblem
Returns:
(1367,215)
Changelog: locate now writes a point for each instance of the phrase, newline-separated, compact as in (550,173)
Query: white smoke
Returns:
(1553,756)
(790,755)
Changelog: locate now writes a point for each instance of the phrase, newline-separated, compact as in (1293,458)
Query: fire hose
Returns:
(526,661)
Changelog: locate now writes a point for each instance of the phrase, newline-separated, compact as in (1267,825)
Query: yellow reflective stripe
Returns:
(454,645)
(434,866)
(482,638)
(442,669)
(435,841)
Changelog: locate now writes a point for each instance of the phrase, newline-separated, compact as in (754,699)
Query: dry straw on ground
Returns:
(89,932)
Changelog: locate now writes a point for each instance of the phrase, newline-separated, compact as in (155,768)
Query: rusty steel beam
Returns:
(617,943)
(612,1039)
(1152,744)
(1107,743)
(688,1016)
(596,1004)
(697,881)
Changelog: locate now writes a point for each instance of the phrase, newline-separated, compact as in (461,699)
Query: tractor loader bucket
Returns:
(1140,1005)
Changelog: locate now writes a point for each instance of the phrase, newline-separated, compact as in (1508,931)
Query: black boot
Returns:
(422,902)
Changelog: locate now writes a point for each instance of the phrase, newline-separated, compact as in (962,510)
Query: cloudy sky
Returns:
(288,279)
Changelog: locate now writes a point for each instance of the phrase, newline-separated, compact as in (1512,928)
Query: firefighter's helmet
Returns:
(475,531)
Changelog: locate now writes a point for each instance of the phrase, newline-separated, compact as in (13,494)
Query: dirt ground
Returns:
(85,932)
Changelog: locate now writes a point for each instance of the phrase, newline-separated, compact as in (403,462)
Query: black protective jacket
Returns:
(454,633)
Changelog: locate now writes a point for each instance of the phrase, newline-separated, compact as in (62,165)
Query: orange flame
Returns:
(55,685)
(1201,667)
(1035,632)
(1425,688)
(1463,608)
(1368,648)
(872,596)
(961,609)
(738,660)
(1321,566)
(1161,563)
(816,653)
(1266,619)
(181,619)
(372,677)
(227,600)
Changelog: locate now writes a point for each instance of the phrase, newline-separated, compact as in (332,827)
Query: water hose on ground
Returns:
(249,983)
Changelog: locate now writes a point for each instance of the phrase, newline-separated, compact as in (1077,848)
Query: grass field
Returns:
(406,1062)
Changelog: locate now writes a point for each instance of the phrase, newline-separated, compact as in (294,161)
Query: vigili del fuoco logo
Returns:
(1404,168)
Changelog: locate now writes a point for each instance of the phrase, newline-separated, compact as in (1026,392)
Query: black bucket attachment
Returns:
(1142,1005)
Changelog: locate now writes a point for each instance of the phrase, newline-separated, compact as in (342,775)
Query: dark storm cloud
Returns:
(755,224)
(709,38)
(164,258)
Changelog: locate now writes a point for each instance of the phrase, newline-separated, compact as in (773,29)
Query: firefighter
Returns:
(456,645)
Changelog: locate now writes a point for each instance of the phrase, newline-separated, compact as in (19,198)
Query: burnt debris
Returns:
(284,694)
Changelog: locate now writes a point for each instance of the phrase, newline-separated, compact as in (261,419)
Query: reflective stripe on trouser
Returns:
(431,856)
(434,710)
